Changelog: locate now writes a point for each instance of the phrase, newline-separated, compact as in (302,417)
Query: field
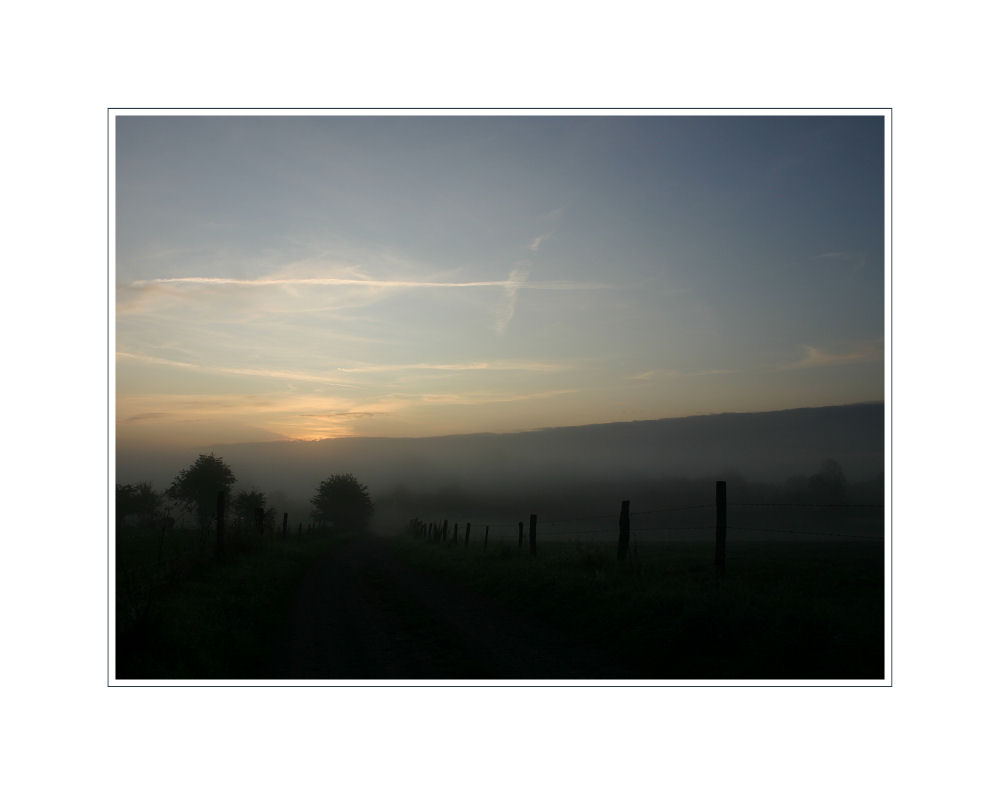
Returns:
(181,613)
(363,607)
(796,609)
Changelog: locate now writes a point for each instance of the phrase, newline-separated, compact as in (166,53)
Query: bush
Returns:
(342,503)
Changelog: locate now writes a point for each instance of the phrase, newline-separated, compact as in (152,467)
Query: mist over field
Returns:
(566,466)
(499,396)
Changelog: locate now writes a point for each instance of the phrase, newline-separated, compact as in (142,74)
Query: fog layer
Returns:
(767,447)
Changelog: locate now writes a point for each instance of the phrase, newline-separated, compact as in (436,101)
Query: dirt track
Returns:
(363,613)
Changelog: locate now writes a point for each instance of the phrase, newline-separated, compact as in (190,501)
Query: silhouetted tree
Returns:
(342,503)
(196,488)
(829,484)
(136,500)
(246,504)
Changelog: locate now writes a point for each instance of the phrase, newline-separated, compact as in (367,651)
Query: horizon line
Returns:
(540,429)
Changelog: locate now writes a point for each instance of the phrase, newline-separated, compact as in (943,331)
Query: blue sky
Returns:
(309,277)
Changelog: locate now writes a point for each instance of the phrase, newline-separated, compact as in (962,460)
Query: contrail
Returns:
(282,374)
(319,281)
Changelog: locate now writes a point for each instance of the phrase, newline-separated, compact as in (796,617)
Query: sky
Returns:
(315,277)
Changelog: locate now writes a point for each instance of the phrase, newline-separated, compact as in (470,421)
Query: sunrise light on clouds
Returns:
(315,277)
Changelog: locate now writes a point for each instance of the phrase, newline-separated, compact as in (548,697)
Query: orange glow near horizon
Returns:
(558,274)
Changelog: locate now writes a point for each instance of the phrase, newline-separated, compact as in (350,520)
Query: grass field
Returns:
(181,613)
(802,609)
(786,610)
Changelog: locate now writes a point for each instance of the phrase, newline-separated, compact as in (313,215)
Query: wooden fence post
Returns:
(220,521)
(720,527)
(284,525)
(444,532)
(520,534)
(532,524)
(468,529)
(454,534)
(486,536)
(623,532)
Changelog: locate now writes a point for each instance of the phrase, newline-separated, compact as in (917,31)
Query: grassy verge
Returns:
(782,611)
(189,616)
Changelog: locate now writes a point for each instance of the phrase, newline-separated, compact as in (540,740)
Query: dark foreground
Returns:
(391,609)
(366,612)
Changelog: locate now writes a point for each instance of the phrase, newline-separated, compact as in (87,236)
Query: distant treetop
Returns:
(342,503)
(197,486)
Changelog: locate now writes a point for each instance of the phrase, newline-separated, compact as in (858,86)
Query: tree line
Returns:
(341,502)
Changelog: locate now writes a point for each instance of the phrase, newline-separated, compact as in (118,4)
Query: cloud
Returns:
(816,357)
(516,281)
(149,415)
(536,244)
(301,290)
(811,357)
(277,415)
(650,375)
(296,415)
(499,366)
(328,414)
(481,398)
(281,374)
(319,281)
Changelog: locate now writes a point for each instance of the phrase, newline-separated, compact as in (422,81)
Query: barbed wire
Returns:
(803,533)
(614,530)
(602,517)
(550,533)
(581,519)
(674,508)
(544,526)
(801,505)
(665,529)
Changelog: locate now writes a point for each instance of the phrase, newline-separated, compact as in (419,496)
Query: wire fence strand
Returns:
(804,533)
(557,527)
(674,508)
(802,505)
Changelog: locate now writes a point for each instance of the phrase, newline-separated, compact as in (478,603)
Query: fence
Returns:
(162,553)
(847,521)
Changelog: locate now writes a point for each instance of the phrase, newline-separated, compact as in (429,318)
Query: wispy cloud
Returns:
(242,300)
(500,365)
(652,375)
(478,398)
(300,415)
(817,357)
(329,414)
(287,415)
(811,357)
(149,415)
(517,280)
(319,281)
(536,243)
(260,373)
